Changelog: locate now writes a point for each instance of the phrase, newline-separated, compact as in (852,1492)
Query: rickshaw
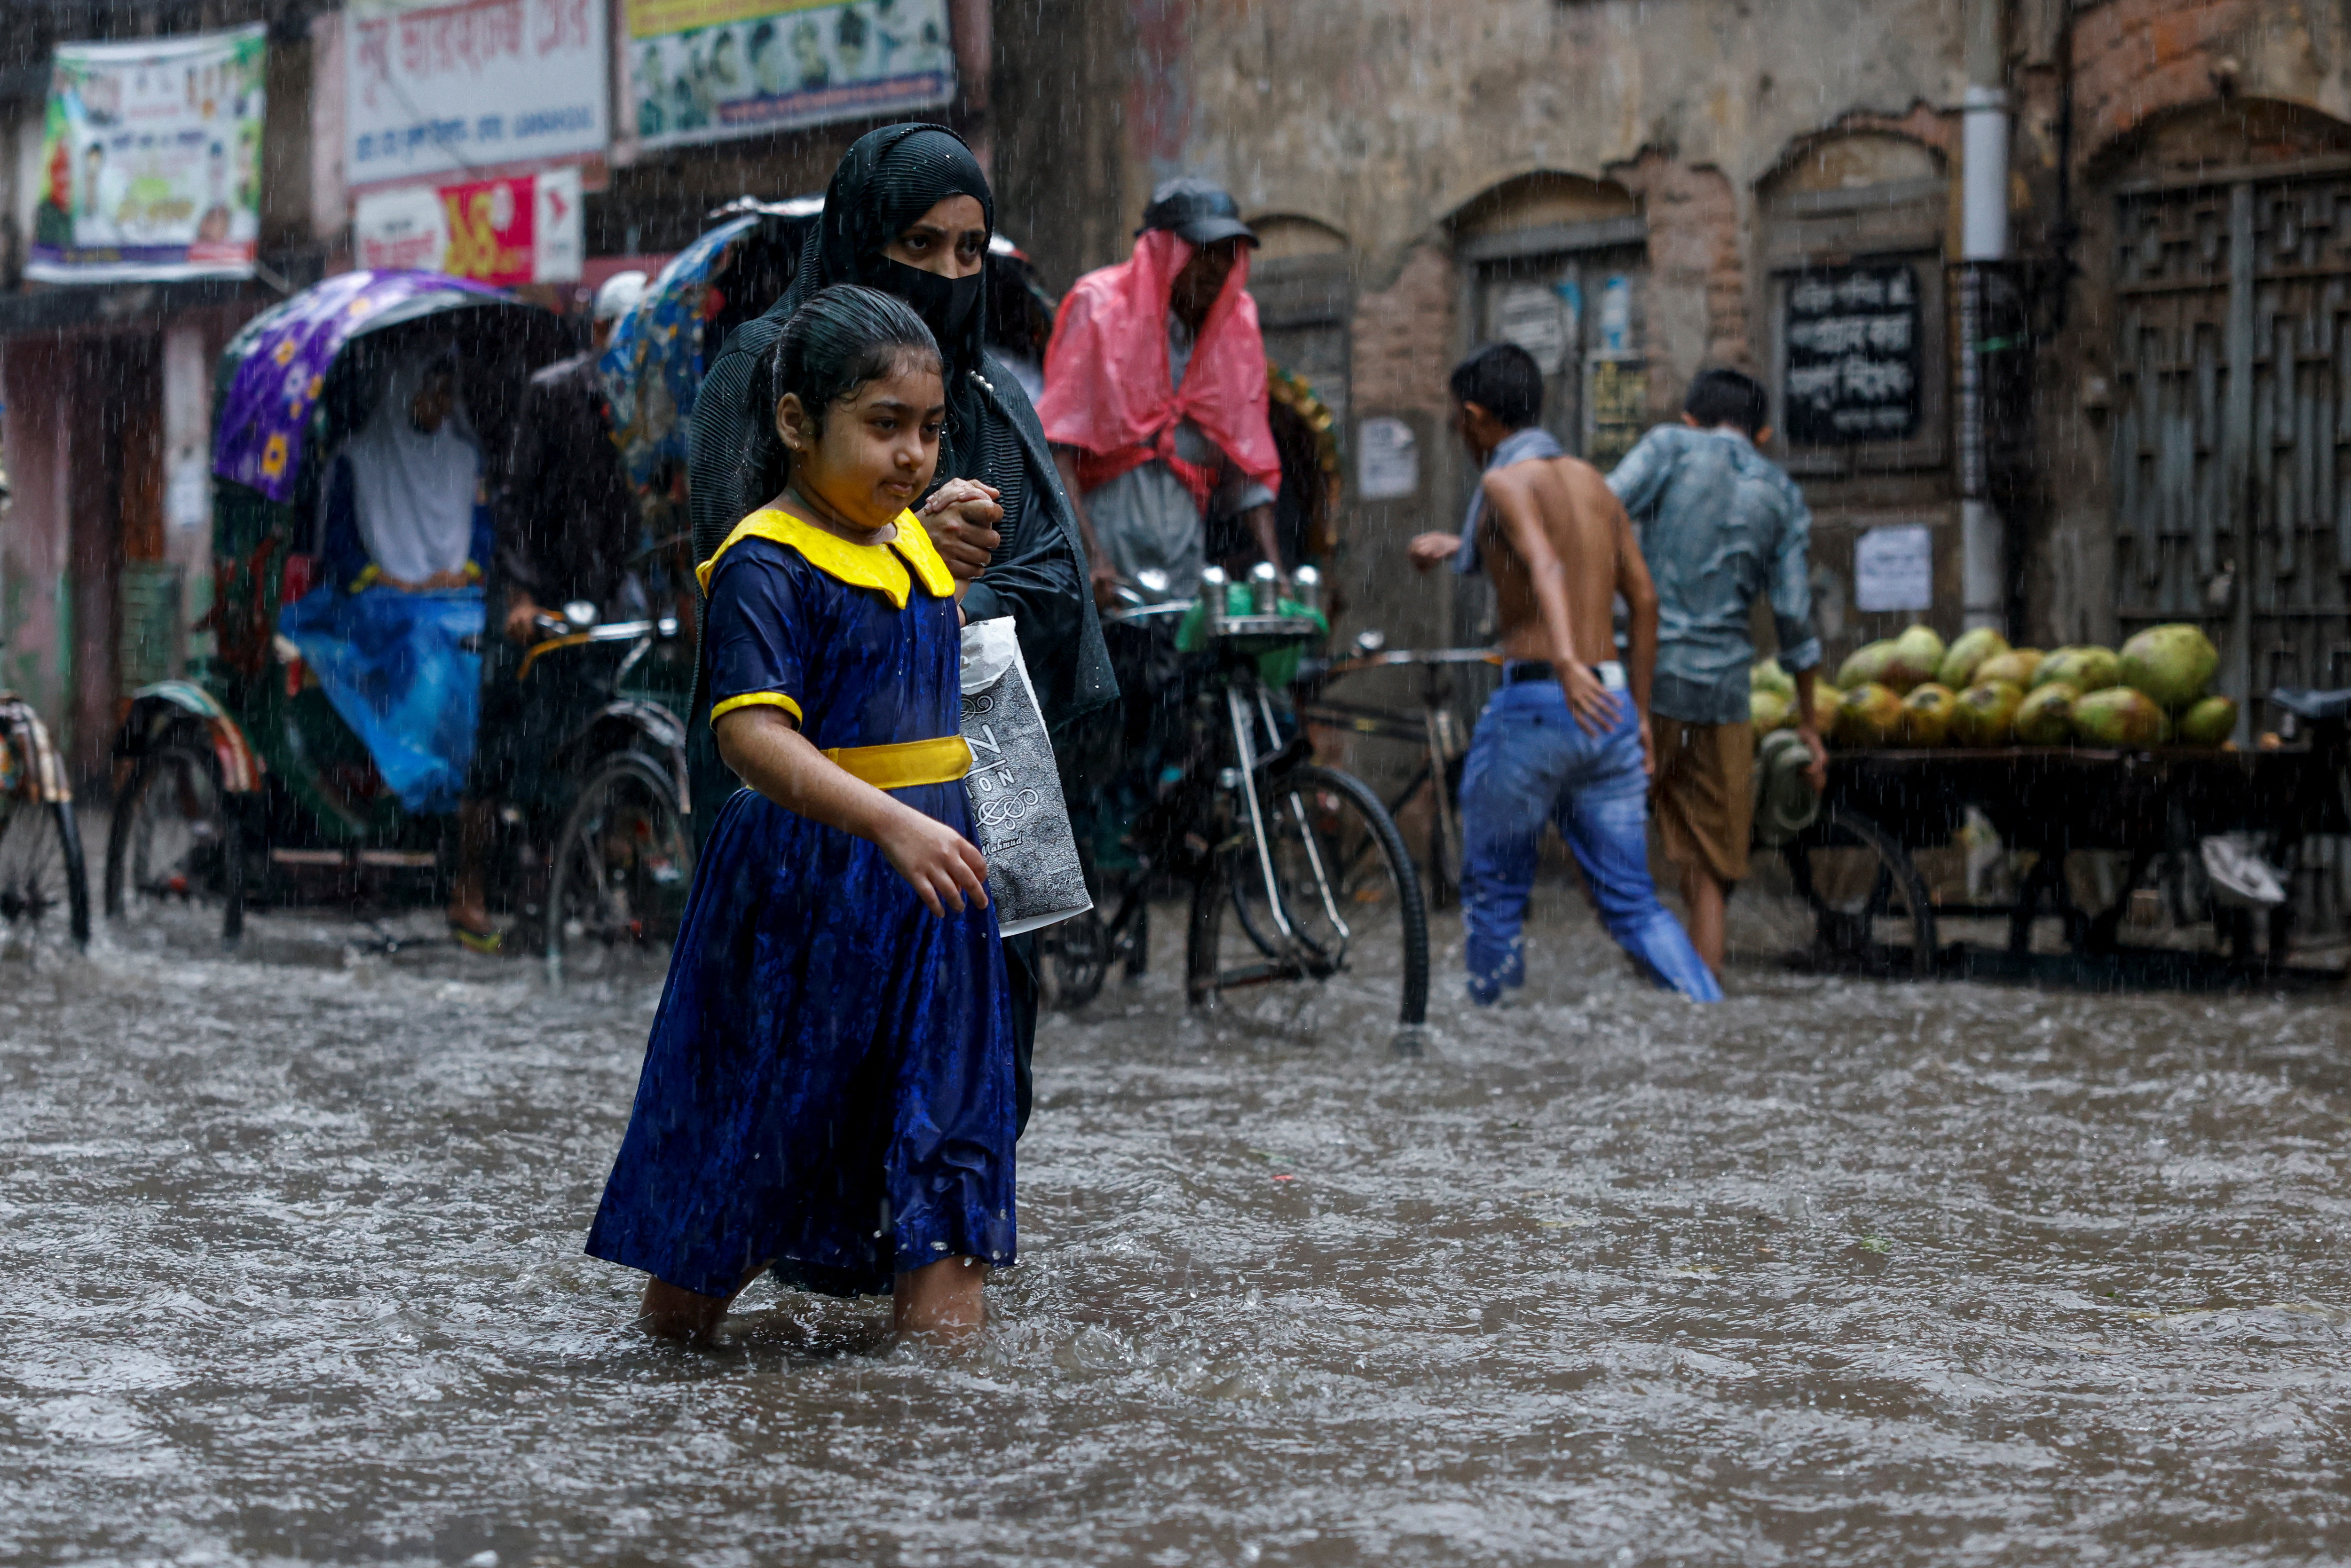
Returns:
(246,783)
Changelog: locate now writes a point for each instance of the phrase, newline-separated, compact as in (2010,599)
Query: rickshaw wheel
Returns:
(623,864)
(174,842)
(41,874)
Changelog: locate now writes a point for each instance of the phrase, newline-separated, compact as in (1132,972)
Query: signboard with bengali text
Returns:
(1852,355)
(462,90)
(703,70)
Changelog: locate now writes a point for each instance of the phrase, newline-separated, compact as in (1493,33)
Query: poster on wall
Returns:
(702,70)
(523,229)
(151,161)
(1852,335)
(469,89)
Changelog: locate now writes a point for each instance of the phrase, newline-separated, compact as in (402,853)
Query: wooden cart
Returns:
(1854,866)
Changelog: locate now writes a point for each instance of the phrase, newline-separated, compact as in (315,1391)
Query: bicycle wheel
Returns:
(1075,958)
(1865,895)
(622,867)
(43,892)
(173,847)
(1343,886)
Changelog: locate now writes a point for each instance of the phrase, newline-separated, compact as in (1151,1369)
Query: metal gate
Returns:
(2232,428)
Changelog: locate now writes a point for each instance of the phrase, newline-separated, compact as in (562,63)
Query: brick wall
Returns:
(2134,58)
(1698,277)
(1403,338)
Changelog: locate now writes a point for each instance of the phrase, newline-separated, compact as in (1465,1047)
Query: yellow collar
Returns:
(877,566)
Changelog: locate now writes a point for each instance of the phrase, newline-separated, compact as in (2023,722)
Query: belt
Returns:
(1516,672)
(903,764)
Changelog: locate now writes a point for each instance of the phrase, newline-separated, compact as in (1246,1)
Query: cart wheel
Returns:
(622,867)
(43,889)
(1075,957)
(1865,896)
(1346,885)
(174,845)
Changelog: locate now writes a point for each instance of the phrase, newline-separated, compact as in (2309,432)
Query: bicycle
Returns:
(1434,730)
(1296,871)
(43,889)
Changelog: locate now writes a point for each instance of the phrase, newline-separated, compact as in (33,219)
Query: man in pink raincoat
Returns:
(1156,398)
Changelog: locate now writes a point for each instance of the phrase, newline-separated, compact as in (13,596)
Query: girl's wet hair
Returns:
(841,338)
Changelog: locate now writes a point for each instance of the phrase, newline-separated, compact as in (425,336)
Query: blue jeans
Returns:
(1529,761)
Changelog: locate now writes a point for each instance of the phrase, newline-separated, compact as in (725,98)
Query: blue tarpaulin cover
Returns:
(395,666)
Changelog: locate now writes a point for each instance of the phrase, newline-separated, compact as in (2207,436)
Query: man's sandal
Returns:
(484,942)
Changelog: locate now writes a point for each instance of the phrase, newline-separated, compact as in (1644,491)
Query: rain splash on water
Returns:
(1840,1272)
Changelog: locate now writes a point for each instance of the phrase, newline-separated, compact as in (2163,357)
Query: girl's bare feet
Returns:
(942,1302)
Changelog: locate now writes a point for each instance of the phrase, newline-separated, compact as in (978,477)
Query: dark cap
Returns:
(1196,211)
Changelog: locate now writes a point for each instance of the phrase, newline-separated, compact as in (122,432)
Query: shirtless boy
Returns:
(1567,737)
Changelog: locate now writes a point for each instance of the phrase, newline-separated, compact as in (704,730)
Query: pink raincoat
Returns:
(1108,392)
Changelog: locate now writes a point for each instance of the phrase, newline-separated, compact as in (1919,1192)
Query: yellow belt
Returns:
(905,763)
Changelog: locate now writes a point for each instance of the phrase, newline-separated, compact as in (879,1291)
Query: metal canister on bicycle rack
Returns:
(1264,589)
(1213,584)
(1306,588)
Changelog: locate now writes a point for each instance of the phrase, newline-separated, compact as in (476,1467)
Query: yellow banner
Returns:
(652,18)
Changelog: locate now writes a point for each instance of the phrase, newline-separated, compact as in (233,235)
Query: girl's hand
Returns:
(940,864)
(961,517)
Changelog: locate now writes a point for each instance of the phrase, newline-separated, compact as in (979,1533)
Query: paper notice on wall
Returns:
(525,229)
(1894,567)
(1387,460)
(1534,316)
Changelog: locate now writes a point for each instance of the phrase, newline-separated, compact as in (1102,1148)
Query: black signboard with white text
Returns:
(1852,355)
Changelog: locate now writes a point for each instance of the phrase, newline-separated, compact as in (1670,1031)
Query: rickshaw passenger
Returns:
(387,632)
(404,505)
(564,534)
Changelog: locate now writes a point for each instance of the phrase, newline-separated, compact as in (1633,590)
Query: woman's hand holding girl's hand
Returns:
(940,864)
(961,517)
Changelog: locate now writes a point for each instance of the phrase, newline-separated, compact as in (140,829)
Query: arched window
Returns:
(1853,228)
(1557,264)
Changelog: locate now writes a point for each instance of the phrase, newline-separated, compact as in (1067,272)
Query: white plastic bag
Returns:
(1034,875)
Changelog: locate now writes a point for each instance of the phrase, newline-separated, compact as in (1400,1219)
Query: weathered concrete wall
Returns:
(1387,120)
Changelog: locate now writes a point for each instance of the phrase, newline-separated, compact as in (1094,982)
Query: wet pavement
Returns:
(1840,1272)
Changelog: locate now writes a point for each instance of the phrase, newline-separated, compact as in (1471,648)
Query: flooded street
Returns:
(1837,1272)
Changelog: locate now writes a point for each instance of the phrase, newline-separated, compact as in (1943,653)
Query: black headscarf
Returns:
(885,183)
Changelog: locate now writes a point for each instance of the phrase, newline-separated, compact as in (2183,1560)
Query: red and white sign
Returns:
(523,229)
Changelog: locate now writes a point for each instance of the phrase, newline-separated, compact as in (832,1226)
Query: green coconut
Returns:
(1917,654)
(2118,718)
(1986,713)
(2017,667)
(2045,717)
(1927,713)
(1971,649)
(2170,663)
(1870,715)
(2208,723)
(1865,663)
(2085,667)
(1768,676)
(1770,710)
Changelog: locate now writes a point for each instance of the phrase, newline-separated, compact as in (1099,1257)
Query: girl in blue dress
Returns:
(828,1090)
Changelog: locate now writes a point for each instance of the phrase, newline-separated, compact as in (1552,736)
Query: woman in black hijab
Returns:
(910,213)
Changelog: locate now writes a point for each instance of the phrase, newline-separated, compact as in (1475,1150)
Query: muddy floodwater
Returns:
(1840,1272)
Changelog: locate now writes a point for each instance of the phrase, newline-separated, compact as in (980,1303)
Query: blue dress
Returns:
(828,1087)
